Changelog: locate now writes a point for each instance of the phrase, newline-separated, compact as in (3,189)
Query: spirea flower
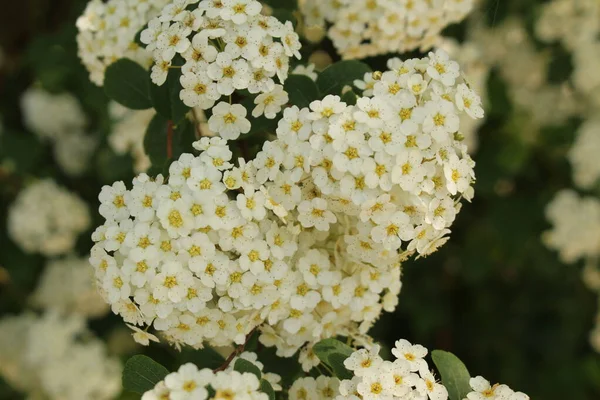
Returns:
(46,218)
(188,382)
(221,47)
(107,32)
(305,240)
(365,28)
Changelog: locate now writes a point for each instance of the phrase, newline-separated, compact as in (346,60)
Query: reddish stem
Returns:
(238,350)
(169,139)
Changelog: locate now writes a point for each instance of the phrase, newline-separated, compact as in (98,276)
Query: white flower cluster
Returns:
(128,131)
(46,218)
(576,226)
(68,285)
(107,31)
(226,45)
(59,119)
(365,28)
(584,154)
(42,355)
(482,390)
(570,21)
(190,383)
(408,377)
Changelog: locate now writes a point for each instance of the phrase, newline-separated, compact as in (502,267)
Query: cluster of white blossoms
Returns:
(225,46)
(59,120)
(107,31)
(128,131)
(583,155)
(576,226)
(46,218)
(571,22)
(309,235)
(408,377)
(370,27)
(190,383)
(41,356)
(67,285)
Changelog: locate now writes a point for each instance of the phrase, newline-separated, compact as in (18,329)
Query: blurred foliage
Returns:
(494,295)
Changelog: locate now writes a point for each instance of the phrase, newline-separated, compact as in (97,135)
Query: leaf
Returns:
(266,387)
(241,365)
(286,4)
(349,97)
(285,15)
(455,376)
(156,139)
(166,98)
(340,74)
(333,353)
(202,358)
(142,373)
(127,83)
(301,89)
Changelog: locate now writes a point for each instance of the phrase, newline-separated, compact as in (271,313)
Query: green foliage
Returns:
(241,365)
(141,374)
(266,387)
(165,140)
(126,82)
(455,376)
(165,98)
(333,353)
(301,90)
(340,74)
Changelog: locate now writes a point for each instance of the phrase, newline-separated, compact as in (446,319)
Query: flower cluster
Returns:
(570,21)
(68,285)
(408,377)
(107,32)
(59,120)
(46,218)
(190,383)
(225,46)
(576,226)
(41,355)
(583,154)
(128,131)
(369,27)
(309,235)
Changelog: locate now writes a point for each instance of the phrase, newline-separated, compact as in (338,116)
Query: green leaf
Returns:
(340,74)
(349,97)
(242,366)
(156,139)
(266,387)
(285,15)
(142,373)
(202,358)
(166,99)
(127,83)
(286,4)
(333,353)
(301,89)
(455,376)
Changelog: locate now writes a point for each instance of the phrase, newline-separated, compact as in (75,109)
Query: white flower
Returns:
(188,383)
(315,213)
(229,120)
(442,69)
(269,103)
(467,100)
(414,354)
(198,90)
(142,337)
(238,11)
(229,74)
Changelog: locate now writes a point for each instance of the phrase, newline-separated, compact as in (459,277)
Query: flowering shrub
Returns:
(253,199)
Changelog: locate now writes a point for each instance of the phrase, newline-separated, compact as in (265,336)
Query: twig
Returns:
(238,350)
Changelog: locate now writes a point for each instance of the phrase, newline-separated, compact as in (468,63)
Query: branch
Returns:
(238,350)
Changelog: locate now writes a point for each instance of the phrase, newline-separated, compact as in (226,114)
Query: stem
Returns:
(238,350)
(169,139)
